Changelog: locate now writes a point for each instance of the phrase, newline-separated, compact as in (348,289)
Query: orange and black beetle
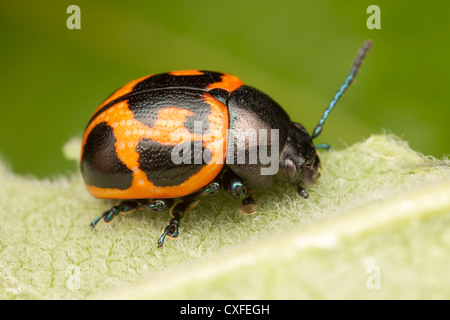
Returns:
(167,137)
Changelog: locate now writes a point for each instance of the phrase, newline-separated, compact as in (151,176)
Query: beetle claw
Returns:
(248,206)
(302,191)
(170,231)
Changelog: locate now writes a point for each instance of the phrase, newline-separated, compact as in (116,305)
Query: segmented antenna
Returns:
(348,81)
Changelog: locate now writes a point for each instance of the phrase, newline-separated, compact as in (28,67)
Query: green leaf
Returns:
(375,226)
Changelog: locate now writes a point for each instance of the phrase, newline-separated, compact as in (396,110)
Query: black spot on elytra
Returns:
(100,165)
(146,106)
(166,80)
(167,165)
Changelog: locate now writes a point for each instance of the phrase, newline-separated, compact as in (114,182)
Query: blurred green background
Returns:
(298,52)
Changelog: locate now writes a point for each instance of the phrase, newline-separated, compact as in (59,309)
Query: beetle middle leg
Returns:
(234,184)
(187,203)
(157,204)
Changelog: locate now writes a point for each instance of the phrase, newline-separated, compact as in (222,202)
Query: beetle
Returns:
(167,140)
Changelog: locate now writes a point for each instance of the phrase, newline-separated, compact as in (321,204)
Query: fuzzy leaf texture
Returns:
(374,227)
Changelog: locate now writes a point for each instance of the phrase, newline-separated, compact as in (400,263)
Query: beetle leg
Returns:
(302,191)
(122,207)
(248,205)
(129,205)
(234,184)
(187,203)
(157,204)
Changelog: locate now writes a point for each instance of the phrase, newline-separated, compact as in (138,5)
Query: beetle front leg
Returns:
(178,211)
(302,191)
(234,184)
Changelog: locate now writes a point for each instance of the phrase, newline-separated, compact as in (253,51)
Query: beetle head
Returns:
(299,162)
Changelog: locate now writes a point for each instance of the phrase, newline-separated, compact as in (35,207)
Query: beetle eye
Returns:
(294,166)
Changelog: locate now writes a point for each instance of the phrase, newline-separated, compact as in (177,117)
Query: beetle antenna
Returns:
(348,81)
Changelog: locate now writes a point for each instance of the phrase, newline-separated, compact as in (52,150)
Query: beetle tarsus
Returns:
(302,191)
(170,231)
(248,206)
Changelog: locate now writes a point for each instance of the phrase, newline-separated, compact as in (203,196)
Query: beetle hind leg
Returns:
(234,184)
(123,207)
(128,206)
(178,211)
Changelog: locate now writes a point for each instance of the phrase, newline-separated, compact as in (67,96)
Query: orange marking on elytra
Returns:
(228,82)
(186,73)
